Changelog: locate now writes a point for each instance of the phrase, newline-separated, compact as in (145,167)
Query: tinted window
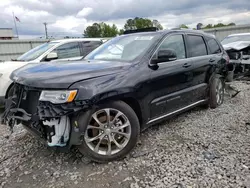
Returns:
(213,46)
(197,46)
(88,46)
(68,50)
(176,43)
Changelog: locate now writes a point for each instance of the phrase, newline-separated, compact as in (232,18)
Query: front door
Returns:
(171,82)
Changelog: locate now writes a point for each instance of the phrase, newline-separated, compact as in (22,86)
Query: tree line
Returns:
(208,26)
(105,30)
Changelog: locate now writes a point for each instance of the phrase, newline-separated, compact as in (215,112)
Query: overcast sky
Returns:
(73,16)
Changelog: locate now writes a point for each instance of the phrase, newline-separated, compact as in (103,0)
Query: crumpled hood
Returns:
(239,45)
(61,75)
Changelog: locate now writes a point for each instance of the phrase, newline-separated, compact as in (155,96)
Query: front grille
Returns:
(28,98)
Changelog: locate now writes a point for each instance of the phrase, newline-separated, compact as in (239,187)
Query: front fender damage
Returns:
(54,123)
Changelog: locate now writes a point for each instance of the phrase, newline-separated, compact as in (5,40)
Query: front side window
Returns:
(124,48)
(213,46)
(68,50)
(175,43)
(36,52)
(197,46)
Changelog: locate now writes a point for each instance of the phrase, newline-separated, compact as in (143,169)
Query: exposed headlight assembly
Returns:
(59,96)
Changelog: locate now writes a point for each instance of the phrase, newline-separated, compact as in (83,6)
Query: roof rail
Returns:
(188,29)
(148,29)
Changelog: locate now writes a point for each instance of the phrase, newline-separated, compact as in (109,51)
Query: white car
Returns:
(58,50)
(238,48)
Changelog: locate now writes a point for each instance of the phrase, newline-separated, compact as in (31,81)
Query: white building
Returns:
(6,34)
(222,32)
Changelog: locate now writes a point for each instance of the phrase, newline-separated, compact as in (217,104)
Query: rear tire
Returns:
(216,92)
(110,131)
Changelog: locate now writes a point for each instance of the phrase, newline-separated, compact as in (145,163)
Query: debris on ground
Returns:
(200,148)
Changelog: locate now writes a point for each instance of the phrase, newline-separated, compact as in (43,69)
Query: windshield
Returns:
(36,52)
(231,39)
(125,48)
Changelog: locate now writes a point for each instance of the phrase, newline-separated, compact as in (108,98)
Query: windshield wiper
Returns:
(16,60)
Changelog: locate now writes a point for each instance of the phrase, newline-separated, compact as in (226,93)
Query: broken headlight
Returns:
(58,97)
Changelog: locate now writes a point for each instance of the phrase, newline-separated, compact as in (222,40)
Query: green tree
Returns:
(208,26)
(219,25)
(101,30)
(121,31)
(139,23)
(107,30)
(157,24)
(232,24)
(93,31)
(130,24)
(183,26)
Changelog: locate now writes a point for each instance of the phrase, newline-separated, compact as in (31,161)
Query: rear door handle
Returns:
(186,65)
(211,60)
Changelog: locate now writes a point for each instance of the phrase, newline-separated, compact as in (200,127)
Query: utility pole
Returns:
(46,32)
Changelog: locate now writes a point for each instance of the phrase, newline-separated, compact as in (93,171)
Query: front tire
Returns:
(110,131)
(216,92)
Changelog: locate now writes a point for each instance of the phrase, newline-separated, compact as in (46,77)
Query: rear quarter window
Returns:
(88,46)
(197,46)
(213,46)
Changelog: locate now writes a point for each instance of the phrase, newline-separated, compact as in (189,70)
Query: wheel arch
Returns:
(8,90)
(129,100)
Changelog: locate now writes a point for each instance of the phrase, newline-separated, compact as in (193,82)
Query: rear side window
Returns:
(175,43)
(88,46)
(68,50)
(213,46)
(197,46)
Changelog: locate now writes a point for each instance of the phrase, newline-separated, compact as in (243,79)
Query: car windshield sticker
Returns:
(144,38)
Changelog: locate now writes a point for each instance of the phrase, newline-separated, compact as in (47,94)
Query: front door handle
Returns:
(186,65)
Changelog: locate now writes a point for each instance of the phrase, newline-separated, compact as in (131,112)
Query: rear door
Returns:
(198,53)
(214,50)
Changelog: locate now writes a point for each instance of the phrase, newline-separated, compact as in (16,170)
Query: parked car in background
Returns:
(238,49)
(124,86)
(63,50)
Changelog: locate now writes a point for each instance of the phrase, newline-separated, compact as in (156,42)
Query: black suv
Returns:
(101,103)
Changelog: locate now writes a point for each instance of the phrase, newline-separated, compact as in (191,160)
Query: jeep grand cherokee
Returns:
(135,80)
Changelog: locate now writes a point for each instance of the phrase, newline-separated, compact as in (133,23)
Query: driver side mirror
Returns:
(165,55)
(51,56)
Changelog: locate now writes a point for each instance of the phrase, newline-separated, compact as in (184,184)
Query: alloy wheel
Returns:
(108,132)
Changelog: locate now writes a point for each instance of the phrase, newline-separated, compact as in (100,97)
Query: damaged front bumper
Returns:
(54,123)
(239,54)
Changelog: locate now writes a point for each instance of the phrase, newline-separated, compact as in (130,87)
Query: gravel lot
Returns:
(201,148)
